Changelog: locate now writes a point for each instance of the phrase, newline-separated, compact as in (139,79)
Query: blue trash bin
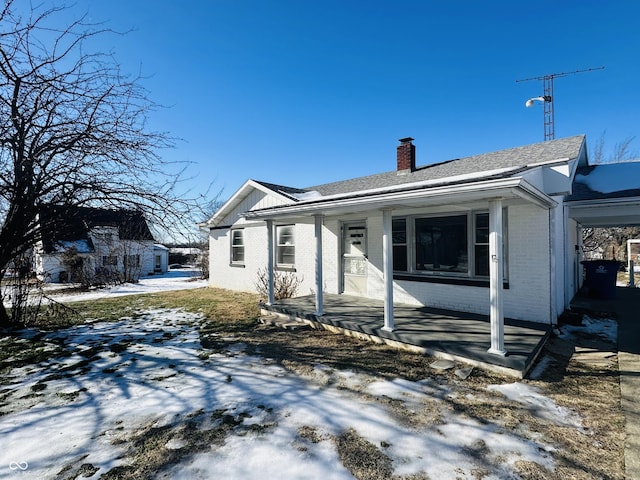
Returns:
(601,277)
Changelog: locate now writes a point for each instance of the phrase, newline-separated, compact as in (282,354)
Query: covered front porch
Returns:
(460,336)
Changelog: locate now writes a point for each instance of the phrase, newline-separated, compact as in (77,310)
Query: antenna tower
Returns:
(547,98)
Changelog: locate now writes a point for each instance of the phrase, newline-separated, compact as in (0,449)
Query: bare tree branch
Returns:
(73,132)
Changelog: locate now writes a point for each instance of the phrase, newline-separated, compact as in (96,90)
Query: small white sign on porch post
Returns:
(496,269)
(387,269)
(319,219)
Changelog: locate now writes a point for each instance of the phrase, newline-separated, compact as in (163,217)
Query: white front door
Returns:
(354,258)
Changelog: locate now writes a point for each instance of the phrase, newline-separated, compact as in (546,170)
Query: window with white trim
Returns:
(441,245)
(399,235)
(237,247)
(285,246)
(109,260)
(481,245)
(131,260)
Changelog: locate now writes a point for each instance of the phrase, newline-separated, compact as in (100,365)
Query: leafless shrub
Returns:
(285,284)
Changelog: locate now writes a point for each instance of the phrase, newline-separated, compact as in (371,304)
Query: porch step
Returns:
(286,323)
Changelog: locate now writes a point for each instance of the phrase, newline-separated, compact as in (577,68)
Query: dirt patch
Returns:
(363,459)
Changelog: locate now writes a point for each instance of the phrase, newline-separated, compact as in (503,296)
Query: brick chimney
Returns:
(406,156)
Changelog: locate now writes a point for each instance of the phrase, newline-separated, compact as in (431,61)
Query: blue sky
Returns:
(303,92)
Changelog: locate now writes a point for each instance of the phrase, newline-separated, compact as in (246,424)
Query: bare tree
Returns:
(622,151)
(72,133)
(609,242)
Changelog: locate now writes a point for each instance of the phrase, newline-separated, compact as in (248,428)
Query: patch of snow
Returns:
(157,377)
(539,405)
(173,280)
(605,328)
(81,246)
(307,196)
(612,177)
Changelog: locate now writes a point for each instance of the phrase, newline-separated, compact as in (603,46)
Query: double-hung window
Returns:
(131,260)
(109,260)
(443,245)
(237,247)
(400,249)
(481,245)
(285,247)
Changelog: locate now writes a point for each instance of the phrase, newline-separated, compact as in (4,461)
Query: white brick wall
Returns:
(528,297)
(223,275)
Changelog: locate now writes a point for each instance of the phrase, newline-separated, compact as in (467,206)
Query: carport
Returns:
(606,195)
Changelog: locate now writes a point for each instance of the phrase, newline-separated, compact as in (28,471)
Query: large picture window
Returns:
(285,248)
(441,244)
(237,247)
(456,245)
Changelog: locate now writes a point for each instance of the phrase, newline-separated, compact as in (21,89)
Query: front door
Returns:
(354,258)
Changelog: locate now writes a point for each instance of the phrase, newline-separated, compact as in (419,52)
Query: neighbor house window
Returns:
(286,247)
(132,260)
(443,245)
(109,260)
(237,247)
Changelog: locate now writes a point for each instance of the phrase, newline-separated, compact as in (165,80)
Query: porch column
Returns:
(271,299)
(387,269)
(319,219)
(496,266)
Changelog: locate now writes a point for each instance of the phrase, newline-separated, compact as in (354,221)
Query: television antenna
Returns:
(547,98)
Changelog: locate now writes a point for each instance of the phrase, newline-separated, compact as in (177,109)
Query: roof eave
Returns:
(515,187)
(236,198)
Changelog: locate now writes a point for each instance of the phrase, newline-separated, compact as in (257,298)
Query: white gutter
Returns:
(511,187)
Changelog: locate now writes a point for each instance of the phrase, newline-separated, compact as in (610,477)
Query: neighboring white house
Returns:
(496,233)
(109,242)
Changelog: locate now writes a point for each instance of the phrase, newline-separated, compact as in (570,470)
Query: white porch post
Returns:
(496,266)
(319,282)
(271,299)
(387,269)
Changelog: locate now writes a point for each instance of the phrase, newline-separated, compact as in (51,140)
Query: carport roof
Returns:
(611,180)
(606,195)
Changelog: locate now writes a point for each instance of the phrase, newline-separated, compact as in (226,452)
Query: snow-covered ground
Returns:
(181,279)
(117,379)
(159,376)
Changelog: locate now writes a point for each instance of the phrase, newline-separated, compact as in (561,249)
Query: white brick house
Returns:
(118,242)
(490,234)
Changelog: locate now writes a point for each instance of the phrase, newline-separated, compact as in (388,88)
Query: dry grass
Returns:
(591,390)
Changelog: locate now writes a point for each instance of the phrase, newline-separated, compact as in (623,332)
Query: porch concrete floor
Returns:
(459,336)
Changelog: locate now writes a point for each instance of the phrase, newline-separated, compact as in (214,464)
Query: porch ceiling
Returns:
(620,212)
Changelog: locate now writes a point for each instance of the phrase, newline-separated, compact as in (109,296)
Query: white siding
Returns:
(253,201)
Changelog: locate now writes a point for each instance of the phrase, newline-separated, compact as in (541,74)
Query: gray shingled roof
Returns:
(548,151)
(68,224)
(282,189)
